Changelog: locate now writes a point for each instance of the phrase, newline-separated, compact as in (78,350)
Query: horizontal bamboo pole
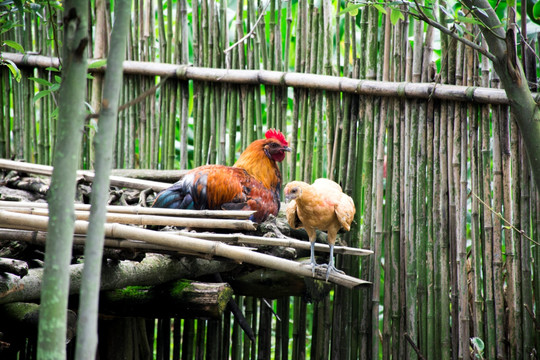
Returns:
(14,220)
(88,175)
(228,224)
(139,210)
(301,80)
(40,238)
(167,176)
(287,241)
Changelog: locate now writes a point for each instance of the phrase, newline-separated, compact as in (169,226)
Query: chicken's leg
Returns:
(331,266)
(313,263)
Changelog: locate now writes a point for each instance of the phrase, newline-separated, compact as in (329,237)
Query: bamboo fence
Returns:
(426,146)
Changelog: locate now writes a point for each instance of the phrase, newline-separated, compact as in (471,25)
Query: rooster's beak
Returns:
(286,148)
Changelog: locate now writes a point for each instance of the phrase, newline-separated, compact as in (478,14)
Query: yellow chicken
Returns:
(322,206)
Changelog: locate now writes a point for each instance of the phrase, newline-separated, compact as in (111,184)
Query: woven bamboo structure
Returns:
(426,145)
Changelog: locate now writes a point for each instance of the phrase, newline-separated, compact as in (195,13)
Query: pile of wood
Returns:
(145,249)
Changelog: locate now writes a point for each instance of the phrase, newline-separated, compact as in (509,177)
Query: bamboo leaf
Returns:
(41,94)
(14,45)
(536,10)
(380,8)
(467,20)
(478,344)
(97,64)
(351,8)
(445,10)
(396,15)
(14,69)
(40,81)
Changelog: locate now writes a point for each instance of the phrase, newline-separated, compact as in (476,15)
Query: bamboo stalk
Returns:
(286,242)
(293,79)
(241,214)
(8,219)
(158,220)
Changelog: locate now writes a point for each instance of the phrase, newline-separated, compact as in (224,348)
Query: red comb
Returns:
(276,134)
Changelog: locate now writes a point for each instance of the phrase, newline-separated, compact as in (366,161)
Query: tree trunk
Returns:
(52,324)
(506,64)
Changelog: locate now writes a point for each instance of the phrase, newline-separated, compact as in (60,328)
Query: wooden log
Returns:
(13,266)
(20,319)
(273,284)
(182,299)
(154,269)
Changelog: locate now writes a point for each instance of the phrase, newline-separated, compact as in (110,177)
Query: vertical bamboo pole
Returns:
(516,221)
(526,267)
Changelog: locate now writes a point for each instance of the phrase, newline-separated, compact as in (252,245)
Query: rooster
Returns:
(252,183)
(322,206)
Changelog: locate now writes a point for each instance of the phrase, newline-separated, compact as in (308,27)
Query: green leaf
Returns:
(536,11)
(478,344)
(41,94)
(58,79)
(350,8)
(380,8)
(97,64)
(52,69)
(54,87)
(396,15)
(14,45)
(467,20)
(41,81)
(54,114)
(14,69)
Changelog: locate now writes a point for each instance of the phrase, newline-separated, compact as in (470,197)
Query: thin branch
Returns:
(423,17)
(533,318)
(414,346)
(250,32)
(137,100)
(510,225)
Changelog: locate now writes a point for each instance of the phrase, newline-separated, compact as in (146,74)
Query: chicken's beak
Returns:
(286,148)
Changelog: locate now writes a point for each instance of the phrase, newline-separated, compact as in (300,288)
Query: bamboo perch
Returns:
(13,220)
(40,238)
(138,210)
(287,241)
(168,176)
(293,79)
(87,175)
(229,224)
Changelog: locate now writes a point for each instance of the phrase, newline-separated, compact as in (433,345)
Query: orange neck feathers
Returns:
(257,163)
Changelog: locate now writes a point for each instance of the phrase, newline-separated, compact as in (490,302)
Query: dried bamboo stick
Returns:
(88,175)
(14,220)
(279,78)
(120,218)
(40,238)
(288,242)
(237,214)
